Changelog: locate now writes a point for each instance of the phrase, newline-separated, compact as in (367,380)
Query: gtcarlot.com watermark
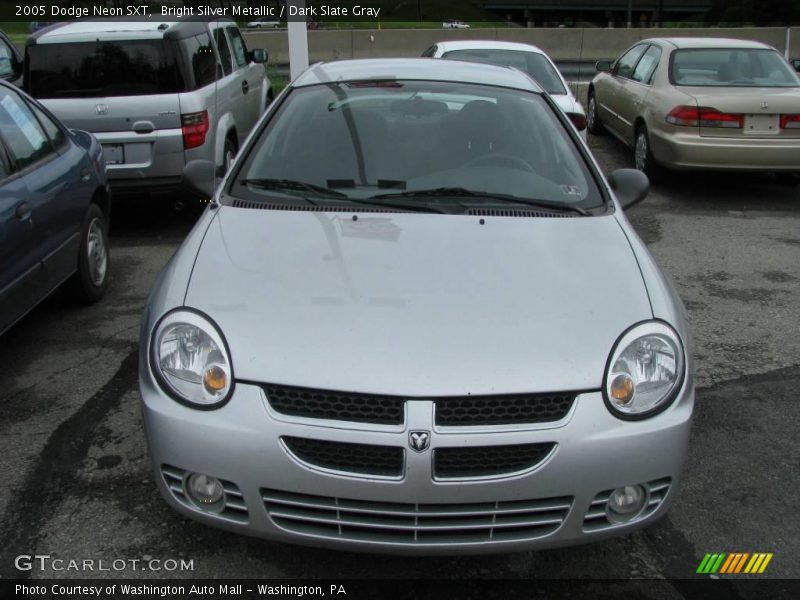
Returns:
(47,562)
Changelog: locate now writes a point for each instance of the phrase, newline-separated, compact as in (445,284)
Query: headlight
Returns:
(645,370)
(190,359)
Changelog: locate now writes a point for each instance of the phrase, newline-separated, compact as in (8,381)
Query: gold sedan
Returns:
(701,103)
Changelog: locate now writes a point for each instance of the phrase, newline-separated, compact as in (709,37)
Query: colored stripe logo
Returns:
(733,563)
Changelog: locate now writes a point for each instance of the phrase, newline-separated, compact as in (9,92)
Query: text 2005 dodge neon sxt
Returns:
(415,319)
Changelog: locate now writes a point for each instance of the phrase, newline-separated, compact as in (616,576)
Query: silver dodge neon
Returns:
(415,319)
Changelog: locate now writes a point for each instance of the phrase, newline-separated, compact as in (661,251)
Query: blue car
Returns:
(54,208)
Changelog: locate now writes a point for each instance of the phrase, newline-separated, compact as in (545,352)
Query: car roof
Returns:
(117,29)
(487,45)
(709,42)
(424,69)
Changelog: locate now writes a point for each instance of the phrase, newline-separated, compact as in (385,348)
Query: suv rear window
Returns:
(102,69)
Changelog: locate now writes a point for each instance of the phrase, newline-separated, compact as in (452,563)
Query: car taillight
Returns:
(704,116)
(790,121)
(195,128)
(578,120)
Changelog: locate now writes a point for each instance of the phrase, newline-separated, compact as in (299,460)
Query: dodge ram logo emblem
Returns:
(764,105)
(102,109)
(419,440)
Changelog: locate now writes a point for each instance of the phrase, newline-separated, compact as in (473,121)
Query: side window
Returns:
(626,63)
(5,171)
(647,65)
(429,52)
(239,47)
(53,131)
(201,59)
(224,50)
(8,62)
(21,131)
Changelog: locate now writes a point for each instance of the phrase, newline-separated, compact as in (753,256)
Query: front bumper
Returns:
(684,150)
(240,444)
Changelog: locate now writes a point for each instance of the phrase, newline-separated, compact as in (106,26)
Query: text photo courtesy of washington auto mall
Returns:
(400,298)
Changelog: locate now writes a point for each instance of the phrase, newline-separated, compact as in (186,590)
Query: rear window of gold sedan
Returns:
(731,67)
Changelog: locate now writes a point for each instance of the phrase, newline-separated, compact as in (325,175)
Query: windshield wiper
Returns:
(290,185)
(459,192)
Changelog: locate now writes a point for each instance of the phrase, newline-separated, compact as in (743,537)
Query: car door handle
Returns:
(245,86)
(23,211)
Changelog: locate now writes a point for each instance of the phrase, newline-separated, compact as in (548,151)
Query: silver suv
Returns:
(156,95)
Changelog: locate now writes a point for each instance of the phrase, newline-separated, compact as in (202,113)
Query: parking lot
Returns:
(77,482)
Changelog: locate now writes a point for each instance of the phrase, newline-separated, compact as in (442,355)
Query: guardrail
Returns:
(565,45)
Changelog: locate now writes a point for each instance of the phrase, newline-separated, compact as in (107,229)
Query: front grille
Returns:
(597,517)
(503,410)
(353,458)
(341,406)
(415,524)
(484,461)
(235,508)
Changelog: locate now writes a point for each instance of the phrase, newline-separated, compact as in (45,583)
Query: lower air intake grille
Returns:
(484,461)
(597,517)
(353,458)
(341,406)
(503,410)
(415,524)
(234,509)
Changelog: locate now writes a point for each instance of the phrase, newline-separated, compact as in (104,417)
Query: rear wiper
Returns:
(280,185)
(459,192)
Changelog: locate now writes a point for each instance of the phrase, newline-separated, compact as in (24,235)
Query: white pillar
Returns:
(298,42)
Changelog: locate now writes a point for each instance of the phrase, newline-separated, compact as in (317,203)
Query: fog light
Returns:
(205,492)
(626,502)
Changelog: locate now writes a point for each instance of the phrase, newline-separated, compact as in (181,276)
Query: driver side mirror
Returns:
(630,186)
(198,178)
(258,55)
(603,66)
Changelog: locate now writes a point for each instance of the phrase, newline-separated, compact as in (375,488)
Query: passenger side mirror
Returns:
(630,186)
(199,178)
(258,55)
(603,66)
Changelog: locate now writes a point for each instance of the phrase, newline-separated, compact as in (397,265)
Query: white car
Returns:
(453,24)
(528,59)
(265,23)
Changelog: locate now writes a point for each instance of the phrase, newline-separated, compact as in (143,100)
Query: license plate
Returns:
(761,124)
(114,154)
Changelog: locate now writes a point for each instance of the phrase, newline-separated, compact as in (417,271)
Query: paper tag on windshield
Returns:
(571,190)
(24,122)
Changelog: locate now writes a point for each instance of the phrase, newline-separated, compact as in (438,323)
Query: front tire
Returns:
(89,284)
(593,123)
(643,158)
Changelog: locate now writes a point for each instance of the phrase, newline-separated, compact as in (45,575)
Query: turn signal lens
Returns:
(215,379)
(622,389)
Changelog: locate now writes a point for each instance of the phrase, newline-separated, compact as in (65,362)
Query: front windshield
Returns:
(731,67)
(359,140)
(534,64)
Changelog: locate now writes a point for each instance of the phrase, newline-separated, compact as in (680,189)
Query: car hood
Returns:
(418,304)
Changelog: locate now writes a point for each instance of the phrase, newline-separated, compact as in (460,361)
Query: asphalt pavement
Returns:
(77,483)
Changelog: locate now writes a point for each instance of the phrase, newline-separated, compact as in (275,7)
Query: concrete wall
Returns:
(561,44)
